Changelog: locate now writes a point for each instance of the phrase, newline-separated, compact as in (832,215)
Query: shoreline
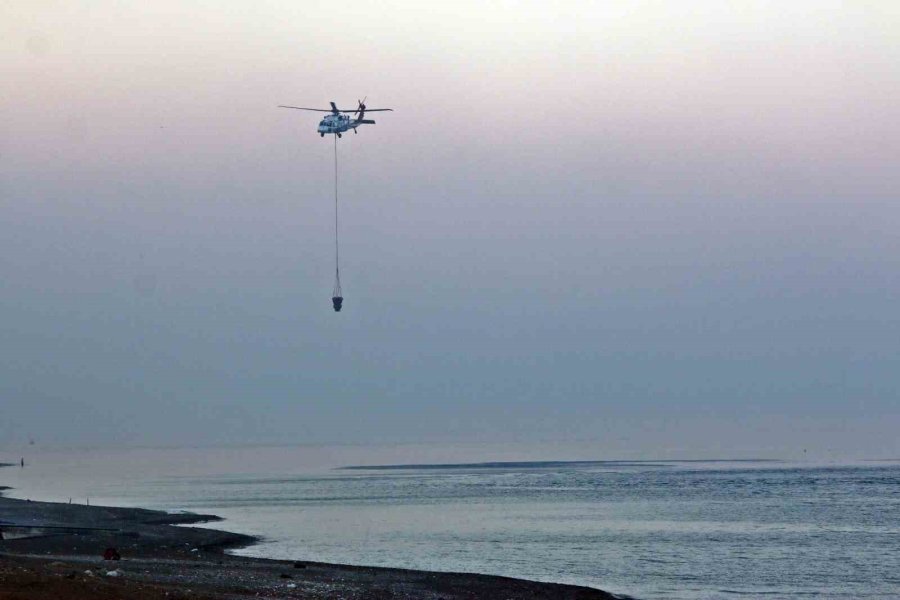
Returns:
(161,557)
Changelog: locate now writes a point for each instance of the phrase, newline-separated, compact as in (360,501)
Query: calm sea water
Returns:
(708,529)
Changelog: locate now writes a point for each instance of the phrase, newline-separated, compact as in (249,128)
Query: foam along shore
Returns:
(60,555)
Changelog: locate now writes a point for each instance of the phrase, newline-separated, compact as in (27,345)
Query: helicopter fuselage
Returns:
(338,124)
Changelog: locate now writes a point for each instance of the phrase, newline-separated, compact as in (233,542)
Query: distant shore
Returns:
(162,559)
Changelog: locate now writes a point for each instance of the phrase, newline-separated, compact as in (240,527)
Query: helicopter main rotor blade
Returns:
(335,110)
(356,110)
(301,108)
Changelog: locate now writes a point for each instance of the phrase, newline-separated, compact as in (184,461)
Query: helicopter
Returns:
(339,121)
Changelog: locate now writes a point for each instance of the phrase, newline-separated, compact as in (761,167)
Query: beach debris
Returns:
(115,573)
(291,585)
(111,554)
(195,549)
(88,572)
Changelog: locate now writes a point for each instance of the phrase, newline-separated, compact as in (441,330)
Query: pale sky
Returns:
(661,228)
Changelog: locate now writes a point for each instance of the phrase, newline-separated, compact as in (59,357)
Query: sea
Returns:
(648,529)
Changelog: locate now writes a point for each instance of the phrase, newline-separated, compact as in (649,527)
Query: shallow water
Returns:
(650,529)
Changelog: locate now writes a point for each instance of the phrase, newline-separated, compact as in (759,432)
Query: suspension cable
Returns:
(337,268)
(336,263)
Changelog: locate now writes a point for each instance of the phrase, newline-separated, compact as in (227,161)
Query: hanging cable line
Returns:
(337,297)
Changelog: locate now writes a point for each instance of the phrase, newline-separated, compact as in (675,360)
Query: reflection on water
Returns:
(657,529)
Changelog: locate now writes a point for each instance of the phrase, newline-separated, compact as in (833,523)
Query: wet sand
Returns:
(163,560)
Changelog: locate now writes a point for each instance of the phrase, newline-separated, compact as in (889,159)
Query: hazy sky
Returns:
(659,228)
